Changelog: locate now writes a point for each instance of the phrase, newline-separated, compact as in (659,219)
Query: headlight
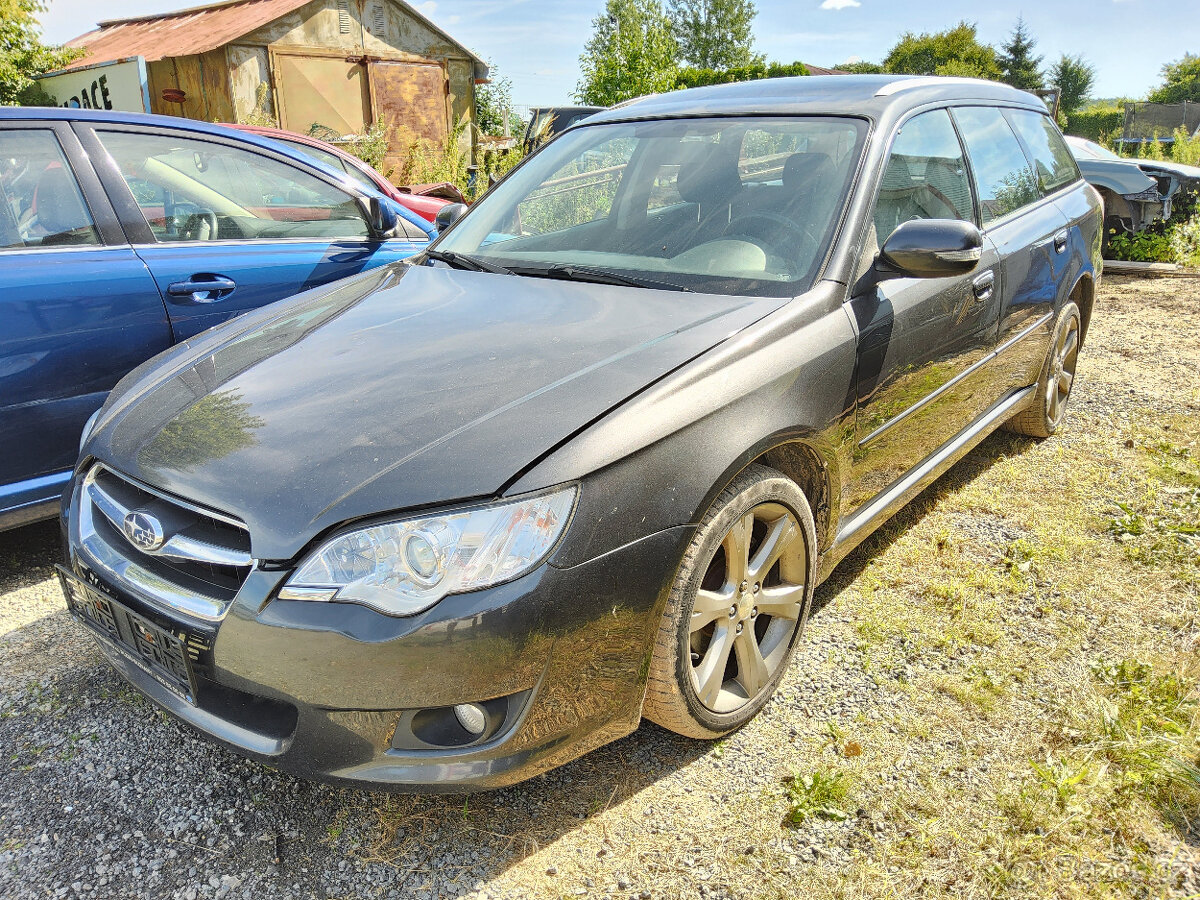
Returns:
(404,567)
(87,429)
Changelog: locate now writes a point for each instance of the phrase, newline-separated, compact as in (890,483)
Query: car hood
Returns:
(1179,170)
(405,387)
(1122,176)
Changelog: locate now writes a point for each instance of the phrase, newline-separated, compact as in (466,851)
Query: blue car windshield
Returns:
(733,205)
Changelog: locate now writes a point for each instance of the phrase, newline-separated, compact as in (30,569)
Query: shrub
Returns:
(1096,123)
(690,78)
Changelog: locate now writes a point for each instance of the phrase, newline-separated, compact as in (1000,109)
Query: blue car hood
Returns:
(404,387)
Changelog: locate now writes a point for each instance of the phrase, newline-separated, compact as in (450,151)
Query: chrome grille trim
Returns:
(132,567)
(179,546)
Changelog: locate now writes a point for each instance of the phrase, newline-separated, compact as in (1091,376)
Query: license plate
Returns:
(156,652)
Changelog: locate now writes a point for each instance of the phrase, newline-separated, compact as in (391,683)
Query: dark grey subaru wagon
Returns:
(450,523)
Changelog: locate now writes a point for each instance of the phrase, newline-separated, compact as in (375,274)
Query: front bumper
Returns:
(327,691)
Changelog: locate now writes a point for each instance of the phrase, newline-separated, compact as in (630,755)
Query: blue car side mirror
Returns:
(383,217)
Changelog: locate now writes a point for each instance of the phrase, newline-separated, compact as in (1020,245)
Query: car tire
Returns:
(754,550)
(1045,413)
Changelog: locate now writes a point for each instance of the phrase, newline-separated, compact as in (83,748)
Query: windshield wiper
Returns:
(598,276)
(470,263)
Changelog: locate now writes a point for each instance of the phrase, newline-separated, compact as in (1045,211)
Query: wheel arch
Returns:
(1083,293)
(809,463)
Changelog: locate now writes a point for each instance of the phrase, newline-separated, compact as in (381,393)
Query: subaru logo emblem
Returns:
(144,531)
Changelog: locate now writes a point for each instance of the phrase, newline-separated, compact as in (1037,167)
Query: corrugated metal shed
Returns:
(182,33)
(199,29)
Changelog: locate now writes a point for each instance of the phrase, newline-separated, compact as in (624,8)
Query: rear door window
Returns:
(1004,179)
(42,205)
(1052,158)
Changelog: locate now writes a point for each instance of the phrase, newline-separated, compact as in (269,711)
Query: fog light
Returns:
(471,716)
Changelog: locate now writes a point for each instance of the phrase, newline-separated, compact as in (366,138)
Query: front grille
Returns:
(160,548)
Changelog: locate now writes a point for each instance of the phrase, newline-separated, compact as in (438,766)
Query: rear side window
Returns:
(40,201)
(1055,166)
(925,176)
(1004,179)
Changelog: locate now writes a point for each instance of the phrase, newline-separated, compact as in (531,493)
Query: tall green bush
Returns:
(690,78)
(1096,123)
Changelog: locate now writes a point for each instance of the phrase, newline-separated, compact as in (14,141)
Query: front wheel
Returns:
(1048,408)
(737,608)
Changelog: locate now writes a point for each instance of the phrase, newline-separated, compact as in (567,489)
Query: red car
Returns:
(423,199)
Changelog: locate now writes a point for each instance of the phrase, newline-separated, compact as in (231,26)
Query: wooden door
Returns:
(330,91)
(411,98)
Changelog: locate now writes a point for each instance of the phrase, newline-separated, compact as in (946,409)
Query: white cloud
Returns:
(426,9)
(852,60)
(839,4)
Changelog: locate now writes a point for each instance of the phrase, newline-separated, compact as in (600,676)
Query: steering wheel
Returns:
(785,246)
(191,226)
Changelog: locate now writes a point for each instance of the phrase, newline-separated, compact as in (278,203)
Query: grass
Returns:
(1046,649)
(820,795)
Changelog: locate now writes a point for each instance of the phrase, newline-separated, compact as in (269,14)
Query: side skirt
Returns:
(859,525)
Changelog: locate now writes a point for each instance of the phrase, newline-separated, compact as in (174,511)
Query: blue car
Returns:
(122,235)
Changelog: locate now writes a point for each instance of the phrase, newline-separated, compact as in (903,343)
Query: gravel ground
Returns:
(103,796)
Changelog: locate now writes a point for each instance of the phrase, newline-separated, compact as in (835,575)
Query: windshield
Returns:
(721,205)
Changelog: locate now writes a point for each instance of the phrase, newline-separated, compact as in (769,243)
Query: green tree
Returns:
(213,427)
(1181,81)
(862,67)
(632,52)
(714,34)
(1073,76)
(1020,67)
(22,53)
(493,101)
(956,51)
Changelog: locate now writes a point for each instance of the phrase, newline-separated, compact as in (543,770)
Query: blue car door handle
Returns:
(203,288)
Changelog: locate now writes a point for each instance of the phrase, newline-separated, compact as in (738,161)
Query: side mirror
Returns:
(933,248)
(448,215)
(383,220)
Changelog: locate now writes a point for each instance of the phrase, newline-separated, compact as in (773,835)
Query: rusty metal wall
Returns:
(371,28)
(412,99)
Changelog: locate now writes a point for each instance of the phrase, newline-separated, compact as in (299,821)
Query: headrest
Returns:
(706,175)
(897,176)
(804,171)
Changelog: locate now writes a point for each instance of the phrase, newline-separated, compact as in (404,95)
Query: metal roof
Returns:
(198,29)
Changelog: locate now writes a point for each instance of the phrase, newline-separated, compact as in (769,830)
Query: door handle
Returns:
(203,288)
(984,285)
(1060,241)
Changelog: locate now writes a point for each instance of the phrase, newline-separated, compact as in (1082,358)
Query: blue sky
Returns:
(537,43)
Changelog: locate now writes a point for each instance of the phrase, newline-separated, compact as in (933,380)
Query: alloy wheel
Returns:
(747,607)
(1062,372)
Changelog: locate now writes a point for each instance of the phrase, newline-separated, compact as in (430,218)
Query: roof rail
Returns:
(631,101)
(920,81)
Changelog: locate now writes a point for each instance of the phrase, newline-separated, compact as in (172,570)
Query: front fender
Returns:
(660,459)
